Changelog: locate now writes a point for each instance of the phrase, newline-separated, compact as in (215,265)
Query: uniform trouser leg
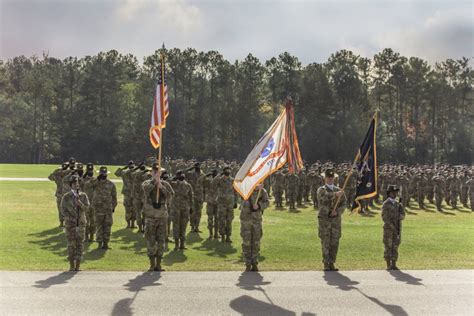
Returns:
(90,225)
(155,235)
(391,243)
(454,199)
(471,198)
(138,208)
(225,217)
(463,196)
(180,223)
(58,204)
(438,200)
(251,233)
(278,196)
(211,210)
(75,241)
(329,233)
(197,212)
(104,223)
(129,209)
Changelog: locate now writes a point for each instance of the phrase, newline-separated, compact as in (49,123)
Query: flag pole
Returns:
(162,95)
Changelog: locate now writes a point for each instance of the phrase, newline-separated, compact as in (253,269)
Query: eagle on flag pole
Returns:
(160,106)
(278,146)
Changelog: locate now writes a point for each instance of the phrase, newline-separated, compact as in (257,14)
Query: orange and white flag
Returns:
(278,146)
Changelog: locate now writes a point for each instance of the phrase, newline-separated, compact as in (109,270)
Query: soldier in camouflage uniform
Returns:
(470,185)
(454,188)
(438,181)
(57,176)
(126,174)
(278,187)
(90,214)
(182,207)
(195,177)
(404,183)
(292,185)
(330,219)
(139,175)
(104,203)
(464,188)
(251,226)
(74,205)
(211,204)
(301,187)
(420,189)
(226,203)
(429,186)
(155,209)
(392,215)
(315,181)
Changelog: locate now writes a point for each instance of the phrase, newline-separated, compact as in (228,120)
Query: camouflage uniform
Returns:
(126,175)
(420,190)
(464,190)
(278,188)
(251,227)
(404,183)
(90,214)
(156,219)
(470,184)
(226,200)
(196,180)
(211,207)
(292,184)
(392,213)
(438,181)
(104,203)
(138,177)
(74,215)
(181,204)
(329,228)
(454,188)
(301,187)
(315,181)
(57,176)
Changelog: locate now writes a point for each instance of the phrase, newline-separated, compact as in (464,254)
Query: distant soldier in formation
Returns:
(226,203)
(292,185)
(392,215)
(138,175)
(90,214)
(251,226)
(57,176)
(74,205)
(181,204)
(329,218)
(211,204)
(126,174)
(278,187)
(195,178)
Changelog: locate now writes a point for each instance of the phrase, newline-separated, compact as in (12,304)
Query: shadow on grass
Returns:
(405,277)
(61,278)
(192,238)
(215,248)
(130,239)
(446,213)
(410,213)
(175,256)
(53,240)
(343,283)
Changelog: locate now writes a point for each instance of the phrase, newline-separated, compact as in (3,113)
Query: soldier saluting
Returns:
(392,214)
(329,218)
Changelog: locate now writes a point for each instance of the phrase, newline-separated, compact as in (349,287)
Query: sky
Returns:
(310,30)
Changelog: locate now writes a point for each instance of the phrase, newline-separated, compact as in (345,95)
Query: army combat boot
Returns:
(216,235)
(106,246)
(181,245)
(332,267)
(176,244)
(394,265)
(132,224)
(210,233)
(78,265)
(99,245)
(389,265)
(326,267)
(128,224)
(227,239)
(248,267)
(255,267)
(152,263)
(158,265)
(71,265)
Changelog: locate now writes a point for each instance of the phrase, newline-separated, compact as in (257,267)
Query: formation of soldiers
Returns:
(161,202)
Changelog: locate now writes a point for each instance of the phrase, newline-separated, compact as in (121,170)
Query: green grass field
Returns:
(30,239)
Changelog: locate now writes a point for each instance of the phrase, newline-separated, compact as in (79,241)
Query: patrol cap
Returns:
(90,166)
(392,188)
(64,164)
(80,166)
(130,163)
(72,160)
(103,170)
(74,179)
(328,173)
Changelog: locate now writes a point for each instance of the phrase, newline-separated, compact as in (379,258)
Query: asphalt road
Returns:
(225,293)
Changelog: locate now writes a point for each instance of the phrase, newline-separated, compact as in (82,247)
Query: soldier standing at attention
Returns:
(195,178)
(278,187)
(291,184)
(104,204)
(90,214)
(182,207)
(329,218)
(138,175)
(156,216)
(438,181)
(125,173)
(74,205)
(211,205)
(392,215)
(226,203)
(57,176)
(251,226)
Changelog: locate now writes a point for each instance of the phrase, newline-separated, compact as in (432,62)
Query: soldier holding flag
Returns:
(392,214)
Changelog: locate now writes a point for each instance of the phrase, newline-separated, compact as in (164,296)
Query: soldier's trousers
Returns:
(251,233)
(420,197)
(307,189)
(197,212)
(138,208)
(391,241)
(292,194)
(212,221)
(314,196)
(278,192)
(454,198)
(329,232)
(180,222)
(90,217)
(405,198)
(129,209)
(75,240)
(155,235)
(103,222)
(447,196)
(463,197)
(225,215)
(300,195)
(471,198)
(438,200)
(430,194)
(58,203)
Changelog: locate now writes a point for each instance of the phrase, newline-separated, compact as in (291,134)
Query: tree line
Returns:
(97,108)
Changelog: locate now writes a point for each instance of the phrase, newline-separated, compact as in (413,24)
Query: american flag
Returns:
(160,108)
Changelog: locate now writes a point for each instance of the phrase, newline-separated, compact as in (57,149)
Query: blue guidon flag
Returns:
(366,166)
